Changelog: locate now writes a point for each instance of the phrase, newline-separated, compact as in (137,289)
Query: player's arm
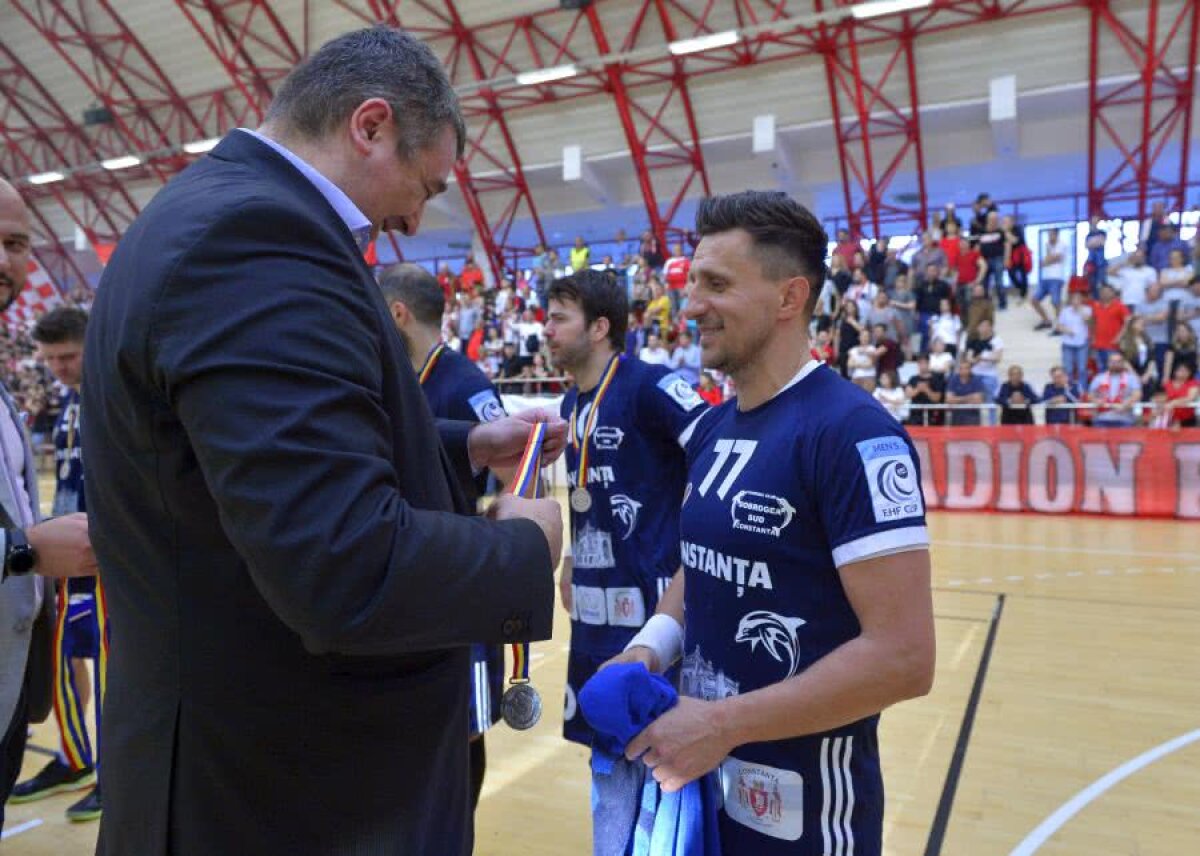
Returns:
(889,661)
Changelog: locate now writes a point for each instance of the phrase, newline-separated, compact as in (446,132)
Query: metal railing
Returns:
(1078,412)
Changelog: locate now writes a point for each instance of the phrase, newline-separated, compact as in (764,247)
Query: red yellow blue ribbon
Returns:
(582,442)
(431,361)
(527,482)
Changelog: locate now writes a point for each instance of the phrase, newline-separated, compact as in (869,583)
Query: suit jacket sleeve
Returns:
(454,437)
(268,349)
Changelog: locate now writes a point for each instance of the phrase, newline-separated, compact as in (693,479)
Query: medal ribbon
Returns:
(605,381)
(431,361)
(527,482)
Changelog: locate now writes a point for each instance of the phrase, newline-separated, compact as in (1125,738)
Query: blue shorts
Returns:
(81,635)
(1051,288)
(487,685)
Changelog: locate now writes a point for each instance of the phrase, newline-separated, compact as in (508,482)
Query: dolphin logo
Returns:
(777,633)
(625,509)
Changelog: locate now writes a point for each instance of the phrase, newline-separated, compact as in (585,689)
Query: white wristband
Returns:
(663,635)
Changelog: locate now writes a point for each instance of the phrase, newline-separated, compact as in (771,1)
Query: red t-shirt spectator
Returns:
(675,272)
(712,395)
(950,247)
(446,281)
(1181,392)
(968,266)
(847,252)
(825,353)
(470,278)
(1108,321)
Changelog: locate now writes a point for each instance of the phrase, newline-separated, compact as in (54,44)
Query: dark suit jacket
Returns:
(291,590)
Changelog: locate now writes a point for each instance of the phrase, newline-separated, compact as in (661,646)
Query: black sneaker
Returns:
(55,778)
(87,808)
(1045,325)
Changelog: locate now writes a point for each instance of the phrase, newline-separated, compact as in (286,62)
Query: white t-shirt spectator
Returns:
(686,361)
(941,363)
(1058,269)
(947,328)
(525,329)
(894,400)
(1175,277)
(1075,325)
(1133,283)
(861,361)
(655,356)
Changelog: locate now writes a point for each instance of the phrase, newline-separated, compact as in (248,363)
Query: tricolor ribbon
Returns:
(582,442)
(431,361)
(527,483)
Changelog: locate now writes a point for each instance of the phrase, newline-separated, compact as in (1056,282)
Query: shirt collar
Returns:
(355,220)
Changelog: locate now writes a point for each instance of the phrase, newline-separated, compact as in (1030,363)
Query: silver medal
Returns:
(521,706)
(581,500)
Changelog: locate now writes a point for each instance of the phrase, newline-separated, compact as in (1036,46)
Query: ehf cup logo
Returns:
(625,509)
(777,633)
(896,482)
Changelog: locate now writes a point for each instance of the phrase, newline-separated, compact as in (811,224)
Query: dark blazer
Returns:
(291,581)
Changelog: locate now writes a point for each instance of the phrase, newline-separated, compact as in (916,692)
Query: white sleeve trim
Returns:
(881,544)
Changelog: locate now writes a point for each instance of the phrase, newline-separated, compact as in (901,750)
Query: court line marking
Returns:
(21,827)
(941,819)
(1034,840)
(1103,572)
(1047,548)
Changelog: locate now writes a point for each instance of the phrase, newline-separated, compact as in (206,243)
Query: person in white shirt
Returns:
(1074,327)
(654,352)
(1051,277)
(946,326)
(861,361)
(529,337)
(1177,274)
(1133,276)
(891,395)
(1116,393)
(941,361)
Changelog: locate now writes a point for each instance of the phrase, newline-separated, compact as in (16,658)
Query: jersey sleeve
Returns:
(667,405)
(868,485)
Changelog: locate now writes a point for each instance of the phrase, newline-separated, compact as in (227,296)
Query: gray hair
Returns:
(417,289)
(378,62)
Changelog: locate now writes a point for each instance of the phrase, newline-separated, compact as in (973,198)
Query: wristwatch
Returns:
(19,557)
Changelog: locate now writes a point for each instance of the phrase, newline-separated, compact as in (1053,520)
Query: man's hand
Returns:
(683,744)
(564,582)
(499,445)
(546,513)
(63,548)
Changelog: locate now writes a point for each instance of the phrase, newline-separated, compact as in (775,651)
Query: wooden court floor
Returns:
(1064,721)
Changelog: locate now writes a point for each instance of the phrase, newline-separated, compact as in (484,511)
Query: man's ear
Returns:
(794,297)
(400,313)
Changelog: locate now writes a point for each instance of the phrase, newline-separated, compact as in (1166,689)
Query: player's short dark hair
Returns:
(788,239)
(63,324)
(599,295)
(417,289)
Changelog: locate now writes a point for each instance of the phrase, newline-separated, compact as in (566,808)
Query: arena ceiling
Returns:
(102,101)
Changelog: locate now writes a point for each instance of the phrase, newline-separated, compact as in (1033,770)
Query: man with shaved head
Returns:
(57,548)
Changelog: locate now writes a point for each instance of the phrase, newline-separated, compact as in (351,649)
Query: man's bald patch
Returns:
(11,203)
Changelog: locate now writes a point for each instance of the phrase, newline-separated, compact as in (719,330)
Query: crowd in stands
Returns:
(915,325)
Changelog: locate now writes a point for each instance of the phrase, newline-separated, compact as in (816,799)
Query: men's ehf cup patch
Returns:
(892,479)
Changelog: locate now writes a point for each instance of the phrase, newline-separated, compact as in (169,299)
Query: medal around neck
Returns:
(581,500)
(521,706)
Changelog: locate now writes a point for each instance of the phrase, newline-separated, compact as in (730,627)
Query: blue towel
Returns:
(619,702)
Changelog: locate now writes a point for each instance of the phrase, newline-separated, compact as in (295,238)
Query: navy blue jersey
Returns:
(68,458)
(68,475)
(456,388)
(778,499)
(624,548)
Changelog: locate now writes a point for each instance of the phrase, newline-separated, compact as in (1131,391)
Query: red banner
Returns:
(1061,469)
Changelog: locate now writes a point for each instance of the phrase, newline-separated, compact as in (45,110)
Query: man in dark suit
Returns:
(28,549)
(455,388)
(292,579)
